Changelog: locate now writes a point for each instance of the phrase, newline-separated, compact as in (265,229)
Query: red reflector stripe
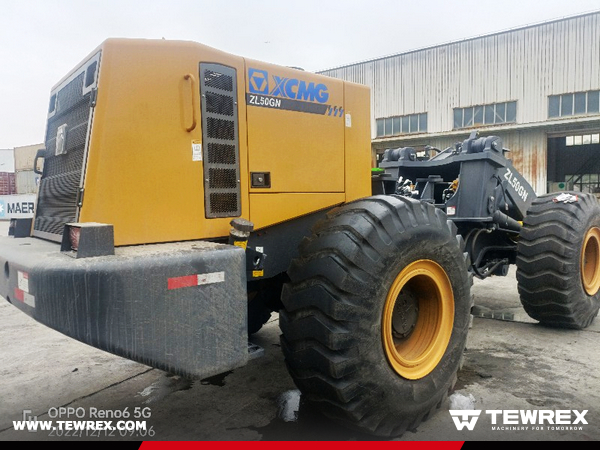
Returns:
(19,295)
(181,282)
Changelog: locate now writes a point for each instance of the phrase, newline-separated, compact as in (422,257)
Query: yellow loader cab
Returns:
(186,193)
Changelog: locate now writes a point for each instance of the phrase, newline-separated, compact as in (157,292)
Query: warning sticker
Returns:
(29,299)
(209,278)
(24,297)
(23,280)
(196,150)
(195,280)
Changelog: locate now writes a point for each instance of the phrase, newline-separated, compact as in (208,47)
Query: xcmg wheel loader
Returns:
(186,193)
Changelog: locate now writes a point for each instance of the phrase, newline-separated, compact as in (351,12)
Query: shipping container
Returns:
(25,156)
(17,206)
(27,182)
(7,183)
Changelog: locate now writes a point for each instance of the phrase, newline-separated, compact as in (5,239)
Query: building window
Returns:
(392,126)
(493,114)
(574,104)
(586,139)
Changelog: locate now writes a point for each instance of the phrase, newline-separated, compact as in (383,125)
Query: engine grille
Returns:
(62,175)
(218,91)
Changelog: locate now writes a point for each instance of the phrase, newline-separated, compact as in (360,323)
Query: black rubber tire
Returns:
(548,261)
(332,317)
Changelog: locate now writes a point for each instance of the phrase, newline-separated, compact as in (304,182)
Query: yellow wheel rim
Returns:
(418,317)
(590,261)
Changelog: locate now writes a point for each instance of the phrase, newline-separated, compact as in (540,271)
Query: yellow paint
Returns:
(258,273)
(269,209)
(416,355)
(590,261)
(241,244)
(358,142)
(141,175)
(303,152)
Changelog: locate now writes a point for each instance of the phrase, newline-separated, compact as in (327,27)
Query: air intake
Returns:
(218,91)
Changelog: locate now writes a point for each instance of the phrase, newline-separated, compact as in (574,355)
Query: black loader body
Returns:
(476,186)
(554,239)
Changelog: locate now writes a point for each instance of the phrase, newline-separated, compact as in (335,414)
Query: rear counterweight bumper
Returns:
(179,307)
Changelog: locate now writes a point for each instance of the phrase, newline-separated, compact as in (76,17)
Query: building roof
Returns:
(481,36)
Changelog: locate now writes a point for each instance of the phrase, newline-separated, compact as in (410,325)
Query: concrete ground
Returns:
(510,364)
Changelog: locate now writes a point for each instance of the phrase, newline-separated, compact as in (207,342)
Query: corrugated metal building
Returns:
(537,87)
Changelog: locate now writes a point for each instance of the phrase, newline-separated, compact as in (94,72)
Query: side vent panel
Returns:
(220,141)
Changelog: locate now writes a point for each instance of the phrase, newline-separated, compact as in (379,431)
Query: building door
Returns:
(574,162)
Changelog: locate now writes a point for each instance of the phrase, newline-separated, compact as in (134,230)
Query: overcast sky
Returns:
(41,40)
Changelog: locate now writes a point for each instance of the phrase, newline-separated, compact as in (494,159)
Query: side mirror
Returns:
(41,154)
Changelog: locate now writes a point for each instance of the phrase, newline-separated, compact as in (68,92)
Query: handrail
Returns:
(190,77)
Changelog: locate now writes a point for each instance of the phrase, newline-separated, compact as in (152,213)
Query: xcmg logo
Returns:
(292,88)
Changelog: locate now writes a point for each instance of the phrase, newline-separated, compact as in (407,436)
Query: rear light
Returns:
(74,234)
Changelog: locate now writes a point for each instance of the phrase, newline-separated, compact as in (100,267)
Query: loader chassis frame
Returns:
(477,187)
